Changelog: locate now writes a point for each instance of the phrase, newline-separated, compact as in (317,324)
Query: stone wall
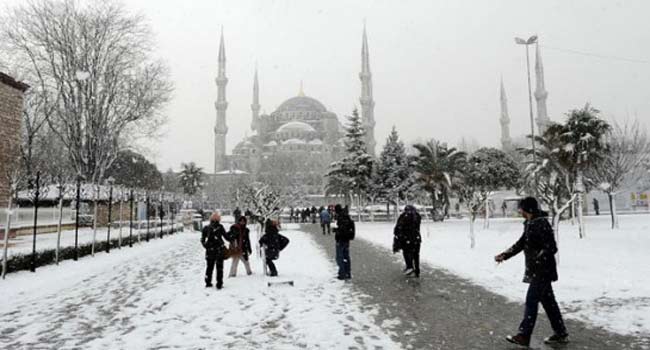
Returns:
(11,108)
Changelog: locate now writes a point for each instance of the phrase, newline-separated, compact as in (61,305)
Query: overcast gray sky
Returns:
(436,64)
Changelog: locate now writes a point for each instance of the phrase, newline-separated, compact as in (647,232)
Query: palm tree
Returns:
(190,178)
(437,166)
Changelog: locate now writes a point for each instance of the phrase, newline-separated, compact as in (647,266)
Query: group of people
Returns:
(537,242)
(214,237)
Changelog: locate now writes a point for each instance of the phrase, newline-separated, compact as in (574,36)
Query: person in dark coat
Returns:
(240,246)
(407,238)
(325,220)
(343,233)
(236,214)
(212,239)
(596,206)
(539,247)
(272,242)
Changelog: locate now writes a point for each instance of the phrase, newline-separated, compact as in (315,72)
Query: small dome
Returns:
(271,143)
(296,126)
(293,142)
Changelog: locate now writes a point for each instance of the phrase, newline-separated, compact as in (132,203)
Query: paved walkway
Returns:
(442,311)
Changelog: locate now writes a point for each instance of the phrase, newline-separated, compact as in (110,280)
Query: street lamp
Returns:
(526,43)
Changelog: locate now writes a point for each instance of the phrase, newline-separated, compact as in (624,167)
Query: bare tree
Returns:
(623,165)
(91,62)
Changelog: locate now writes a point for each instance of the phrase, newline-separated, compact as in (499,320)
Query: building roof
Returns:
(296,126)
(231,172)
(4,78)
(316,142)
(293,142)
(301,103)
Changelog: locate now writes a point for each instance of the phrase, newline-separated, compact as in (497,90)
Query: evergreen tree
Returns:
(393,180)
(190,178)
(352,174)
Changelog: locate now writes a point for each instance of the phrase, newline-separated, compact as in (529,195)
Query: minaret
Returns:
(506,141)
(540,93)
(220,129)
(255,106)
(367,102)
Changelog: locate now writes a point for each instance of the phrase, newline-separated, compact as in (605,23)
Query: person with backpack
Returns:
(212,239)
(343,234)
(240,246)
(406,237)
(539,247)
(272,242)
(325,220)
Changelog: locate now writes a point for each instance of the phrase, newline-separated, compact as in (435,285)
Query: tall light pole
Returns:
(526,43)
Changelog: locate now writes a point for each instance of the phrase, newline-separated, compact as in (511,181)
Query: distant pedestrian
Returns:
(596,206)
(240,246)
(407,238)
(539,247)
(343,233)
(272,242)
(212,239)
(313,214)
(504,208)
(236,214)
(325,220)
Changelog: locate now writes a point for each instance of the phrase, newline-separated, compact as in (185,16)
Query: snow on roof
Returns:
(294,142)
(316,142)
(296,126)
(231,172)
(271,143)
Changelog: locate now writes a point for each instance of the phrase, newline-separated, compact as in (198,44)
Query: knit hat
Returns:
(338,209)
(529,205)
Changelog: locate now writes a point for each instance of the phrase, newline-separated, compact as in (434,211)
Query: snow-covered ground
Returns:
(23,244)
(152,296)
(604,278)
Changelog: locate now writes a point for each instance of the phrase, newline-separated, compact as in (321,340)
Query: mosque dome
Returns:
(301,104)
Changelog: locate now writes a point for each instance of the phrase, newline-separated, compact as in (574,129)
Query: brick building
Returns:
(11,109)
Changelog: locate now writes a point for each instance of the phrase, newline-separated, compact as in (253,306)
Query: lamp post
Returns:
(526,43)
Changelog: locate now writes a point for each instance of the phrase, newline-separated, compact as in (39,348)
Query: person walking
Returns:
(596,206)
(343,234)
(236,214)
(539,247)
(406,237)
(272,242)
(240,246)
(212,239)
(325,220)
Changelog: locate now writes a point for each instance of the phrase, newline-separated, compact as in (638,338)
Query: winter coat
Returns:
(325,217)
(344,230)
(273,242)
(212,239)
(240,240)
(538,244)
(407,231)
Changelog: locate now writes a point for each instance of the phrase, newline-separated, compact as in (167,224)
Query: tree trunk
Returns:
(472,237)
(581,222)
(119,237)
(387,209)
(58,230)
(486,222)
(6,239)
(612,209)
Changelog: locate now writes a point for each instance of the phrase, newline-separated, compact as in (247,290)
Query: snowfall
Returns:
(152,295)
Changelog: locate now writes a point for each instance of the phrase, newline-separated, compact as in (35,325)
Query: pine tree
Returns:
(352,174)
(393,178)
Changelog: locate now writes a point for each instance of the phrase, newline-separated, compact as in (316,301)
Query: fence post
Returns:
(131,219)
(147,215)
(36,193)
(110,218)
(76,223)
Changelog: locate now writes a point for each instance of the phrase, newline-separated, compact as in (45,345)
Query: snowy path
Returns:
(443,311)
(152,297)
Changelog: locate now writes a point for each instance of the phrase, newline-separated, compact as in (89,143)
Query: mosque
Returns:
(295,144)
